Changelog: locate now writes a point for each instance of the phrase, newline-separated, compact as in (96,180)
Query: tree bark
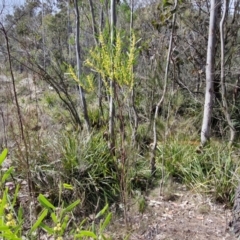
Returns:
(111,142)
(94,25)
(81,91)
(209,92)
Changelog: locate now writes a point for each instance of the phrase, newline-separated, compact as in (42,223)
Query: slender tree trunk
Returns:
(160,102)
(95,34)
(94,25)
(43,38)
(209,94)
(223,87)
(81,91)
(112,83)
(69,27)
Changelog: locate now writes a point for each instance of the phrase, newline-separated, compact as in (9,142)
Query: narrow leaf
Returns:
(3,155)
(46,228)
(15,195)
(71,206)
(102,211)
(68,186)
(54,217)
(20,215)
(64,224)
(7,174)
(39,220)
(106,222)
(45,203)
(86,234)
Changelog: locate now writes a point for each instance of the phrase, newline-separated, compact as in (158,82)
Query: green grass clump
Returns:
(213,171)
(90,167)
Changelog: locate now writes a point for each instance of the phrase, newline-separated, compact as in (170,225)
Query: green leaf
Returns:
(46,228)
(39,220)
(3,155)
(9,235)
(2,206)
(71,206)
(106,222)
(82,222)
(102,211)
(93,227)
(7,174)
(17,230)
(54,217)
(45,203)
(86,234)
(20,214)
(64,224)
(68,186)
(15,195)
(4,228)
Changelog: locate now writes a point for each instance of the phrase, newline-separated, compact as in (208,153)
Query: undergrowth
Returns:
(51,221)
(212,170)
(89,166)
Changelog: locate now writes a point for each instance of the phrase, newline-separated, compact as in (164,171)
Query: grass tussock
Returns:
(212,171)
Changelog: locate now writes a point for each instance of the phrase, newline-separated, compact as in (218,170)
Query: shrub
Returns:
(54,221)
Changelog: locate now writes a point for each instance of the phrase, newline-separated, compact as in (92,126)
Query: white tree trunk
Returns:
(43,37)
(81,92)
(209,94)
(111,142)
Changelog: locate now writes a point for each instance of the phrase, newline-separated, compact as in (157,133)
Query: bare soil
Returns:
(177,215)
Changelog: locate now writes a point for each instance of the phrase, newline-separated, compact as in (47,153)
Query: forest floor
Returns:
(178,215)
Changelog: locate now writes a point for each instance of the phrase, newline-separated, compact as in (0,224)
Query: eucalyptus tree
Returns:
(112,83)
(77,42)
(209,92)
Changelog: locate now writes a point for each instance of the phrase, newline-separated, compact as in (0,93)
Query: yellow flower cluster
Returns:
(87,85)
(57,228)
(9,217)
(113,62)
(10,220)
